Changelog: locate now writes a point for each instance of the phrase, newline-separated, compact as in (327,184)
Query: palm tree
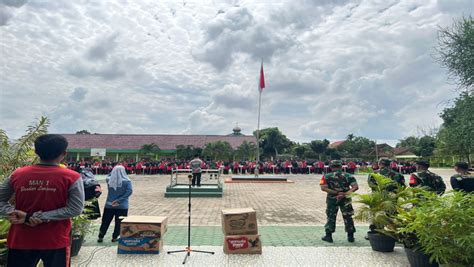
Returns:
(20,152)
(150,149)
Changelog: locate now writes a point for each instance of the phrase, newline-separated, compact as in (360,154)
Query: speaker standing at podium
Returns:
(195,165)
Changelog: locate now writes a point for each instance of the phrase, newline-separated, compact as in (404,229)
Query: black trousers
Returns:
(107,217)
(30,258)
(196,177)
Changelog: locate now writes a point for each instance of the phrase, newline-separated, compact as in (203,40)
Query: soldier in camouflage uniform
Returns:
(387,172)
(338,186)
(463,180)
(426,179)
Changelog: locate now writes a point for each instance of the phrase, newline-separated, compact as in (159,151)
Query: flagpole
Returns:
(258,124)
(258,120)
(376,151)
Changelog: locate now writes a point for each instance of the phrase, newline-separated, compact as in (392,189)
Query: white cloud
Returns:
(5,15)
(78,94)
(102,48)
(7,9)
(332,67)
(236,31)
(456,6)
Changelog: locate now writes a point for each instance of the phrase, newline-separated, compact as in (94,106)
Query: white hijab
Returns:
(117,176)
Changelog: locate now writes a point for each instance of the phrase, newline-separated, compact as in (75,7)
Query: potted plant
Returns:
(439,229)
(397,229)
(80,228)
(379,209)
(4,227)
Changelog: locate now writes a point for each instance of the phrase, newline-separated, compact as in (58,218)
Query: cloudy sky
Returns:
(191,67)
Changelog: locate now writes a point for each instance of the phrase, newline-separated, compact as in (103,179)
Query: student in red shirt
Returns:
(235,167)
(46,197)
(394,166)
(138,168)
(352,167)
(321,168)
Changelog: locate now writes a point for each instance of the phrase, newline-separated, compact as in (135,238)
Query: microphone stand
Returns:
(188,249)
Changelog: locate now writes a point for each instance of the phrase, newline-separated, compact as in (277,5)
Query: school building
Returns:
(129,146)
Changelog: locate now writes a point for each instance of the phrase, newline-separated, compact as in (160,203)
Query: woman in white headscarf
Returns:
(119,190)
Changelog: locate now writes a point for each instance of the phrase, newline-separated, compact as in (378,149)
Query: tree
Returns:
(272,141)
(356,147)
(300,150)
(456,136)
(309,153)
(20,152)
(187,152)
(83,132)
(350,137)
(246,150)
(319,146)
(410,141)
(456,51)
(333,153)
(150,149)
(219,150)
(425,147)
(421,146)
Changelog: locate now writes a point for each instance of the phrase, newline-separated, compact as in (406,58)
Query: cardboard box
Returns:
(130,245)
(142,234)
(239,221)
(242,244)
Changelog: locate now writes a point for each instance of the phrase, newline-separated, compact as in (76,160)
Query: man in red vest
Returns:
(46,198)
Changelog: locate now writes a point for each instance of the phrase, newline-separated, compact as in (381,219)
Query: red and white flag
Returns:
(261,84)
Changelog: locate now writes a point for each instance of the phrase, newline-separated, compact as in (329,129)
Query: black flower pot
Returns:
(3,257)
(381,242)
(76,244)
(419,259)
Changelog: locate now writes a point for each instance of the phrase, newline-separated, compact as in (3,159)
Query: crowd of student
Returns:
(241,167)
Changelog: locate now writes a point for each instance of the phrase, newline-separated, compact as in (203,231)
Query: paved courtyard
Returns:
(298,203)
(290,219)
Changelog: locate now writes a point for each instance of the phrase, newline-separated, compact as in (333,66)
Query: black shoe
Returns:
(100,240)
(350,237)
(327,238)
(114,240)
(366,237)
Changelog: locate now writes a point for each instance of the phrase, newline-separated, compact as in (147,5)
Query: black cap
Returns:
(462,165)
(423,163)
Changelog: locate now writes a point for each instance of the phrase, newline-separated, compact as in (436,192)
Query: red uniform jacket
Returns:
(41,188)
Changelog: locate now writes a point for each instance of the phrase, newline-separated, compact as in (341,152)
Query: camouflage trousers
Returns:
(332,206)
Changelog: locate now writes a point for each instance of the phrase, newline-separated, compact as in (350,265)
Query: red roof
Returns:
(336,144)
(136,141)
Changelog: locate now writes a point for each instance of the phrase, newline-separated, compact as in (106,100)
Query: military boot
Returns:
(327,238)
(350,237)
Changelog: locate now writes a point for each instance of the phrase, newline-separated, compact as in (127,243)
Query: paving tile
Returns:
(271,256)
(277,235)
